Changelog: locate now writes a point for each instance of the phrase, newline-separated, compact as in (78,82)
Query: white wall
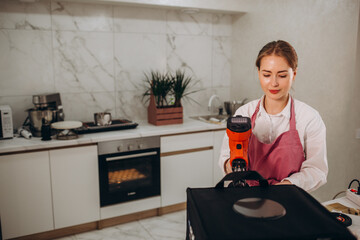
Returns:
(324,34)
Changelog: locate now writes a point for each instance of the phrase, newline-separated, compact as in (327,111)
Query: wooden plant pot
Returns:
(164,116)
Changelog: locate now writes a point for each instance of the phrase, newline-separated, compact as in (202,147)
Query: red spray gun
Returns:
(239,131)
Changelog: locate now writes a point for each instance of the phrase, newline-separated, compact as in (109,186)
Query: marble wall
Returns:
(95,55)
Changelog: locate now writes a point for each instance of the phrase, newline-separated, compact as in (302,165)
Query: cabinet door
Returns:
(181,171)
(218,139)
(75,185)
(25,189)
(186,142)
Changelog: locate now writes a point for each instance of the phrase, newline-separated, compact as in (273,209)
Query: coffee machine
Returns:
(48,109)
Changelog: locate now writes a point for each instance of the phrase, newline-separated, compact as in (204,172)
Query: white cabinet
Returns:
(186,161)
(75,186)
(181,171)
(185,142)
(218,139)
(25,190)
(47,190)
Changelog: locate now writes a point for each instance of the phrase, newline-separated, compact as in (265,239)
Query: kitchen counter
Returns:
(144,129)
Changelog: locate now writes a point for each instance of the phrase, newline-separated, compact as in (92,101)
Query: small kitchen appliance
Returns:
(47,107)
(6,123)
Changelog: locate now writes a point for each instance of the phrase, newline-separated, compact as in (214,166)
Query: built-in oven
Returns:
(129,169)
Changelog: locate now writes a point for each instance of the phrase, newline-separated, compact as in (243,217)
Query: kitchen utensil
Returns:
(65,129)
(102,118)
(232,106)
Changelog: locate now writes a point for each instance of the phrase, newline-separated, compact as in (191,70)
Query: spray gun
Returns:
(239,131)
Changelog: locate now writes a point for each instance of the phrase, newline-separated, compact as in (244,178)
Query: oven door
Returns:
(129,176)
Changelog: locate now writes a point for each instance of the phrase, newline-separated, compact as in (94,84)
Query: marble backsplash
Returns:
(95,56)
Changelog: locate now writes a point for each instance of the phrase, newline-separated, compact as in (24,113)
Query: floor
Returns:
(170,226)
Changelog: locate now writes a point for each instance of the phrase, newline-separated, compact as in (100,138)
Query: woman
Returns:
(288,141)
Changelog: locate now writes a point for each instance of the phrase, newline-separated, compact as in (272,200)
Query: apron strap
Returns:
(292,116)
(253,117)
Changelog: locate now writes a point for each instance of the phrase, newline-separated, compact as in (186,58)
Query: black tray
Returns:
(117,124)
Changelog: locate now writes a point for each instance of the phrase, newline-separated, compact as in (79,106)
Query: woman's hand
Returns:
(285,182)
(228,170)
(227,167)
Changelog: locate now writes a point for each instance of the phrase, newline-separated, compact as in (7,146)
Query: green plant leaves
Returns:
(168,89)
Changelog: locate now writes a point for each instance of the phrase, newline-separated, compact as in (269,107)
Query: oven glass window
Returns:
(129,174)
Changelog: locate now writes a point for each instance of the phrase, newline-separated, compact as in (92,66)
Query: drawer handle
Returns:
(186,151)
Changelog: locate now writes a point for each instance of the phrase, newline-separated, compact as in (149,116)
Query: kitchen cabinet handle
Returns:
(185,151)
(131,156)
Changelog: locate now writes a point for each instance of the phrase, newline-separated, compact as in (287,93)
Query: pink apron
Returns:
(280,159)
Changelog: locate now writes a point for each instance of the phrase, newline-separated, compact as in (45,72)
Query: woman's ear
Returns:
(295,74)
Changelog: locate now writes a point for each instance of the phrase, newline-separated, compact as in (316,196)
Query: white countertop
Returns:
(144,129)
(355,226)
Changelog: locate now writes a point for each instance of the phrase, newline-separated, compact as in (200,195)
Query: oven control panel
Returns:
(128,145)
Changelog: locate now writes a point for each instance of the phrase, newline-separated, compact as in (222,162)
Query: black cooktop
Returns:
(116,124)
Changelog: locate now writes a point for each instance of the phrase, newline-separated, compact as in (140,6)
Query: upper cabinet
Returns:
(190,6)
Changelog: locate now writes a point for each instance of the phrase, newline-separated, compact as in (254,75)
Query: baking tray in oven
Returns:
(116,124)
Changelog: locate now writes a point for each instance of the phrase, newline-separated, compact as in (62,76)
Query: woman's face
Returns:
(276,77)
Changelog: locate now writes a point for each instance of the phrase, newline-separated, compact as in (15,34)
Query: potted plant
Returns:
(180,87)
(165,92)
(158,85)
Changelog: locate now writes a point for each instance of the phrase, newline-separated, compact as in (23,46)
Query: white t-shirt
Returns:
(312,133)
